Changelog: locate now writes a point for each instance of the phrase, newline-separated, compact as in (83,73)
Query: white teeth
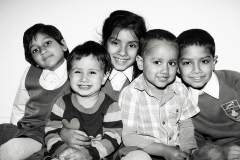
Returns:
(120,60)
(197,78)
(84,86)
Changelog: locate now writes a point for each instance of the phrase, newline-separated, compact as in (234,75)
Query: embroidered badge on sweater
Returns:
(232,109)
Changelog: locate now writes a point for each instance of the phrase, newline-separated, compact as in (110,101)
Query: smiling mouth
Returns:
(197,79)
(84,86)
(120,60)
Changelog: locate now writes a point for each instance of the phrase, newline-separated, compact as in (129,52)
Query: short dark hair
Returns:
(156,34)
(31,34)
(90,48)
(121,19)
(196,37)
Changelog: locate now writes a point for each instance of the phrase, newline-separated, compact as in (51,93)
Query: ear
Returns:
(139,61)
(105,77)
(64,45)
(215,61)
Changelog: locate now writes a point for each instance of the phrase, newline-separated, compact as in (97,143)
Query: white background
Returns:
(81,20)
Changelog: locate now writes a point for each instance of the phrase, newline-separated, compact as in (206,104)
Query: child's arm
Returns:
(186,136)
(20,101)
(53,141)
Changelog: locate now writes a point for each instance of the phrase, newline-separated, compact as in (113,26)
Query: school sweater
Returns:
(219,119)
(102,123)
(37,109)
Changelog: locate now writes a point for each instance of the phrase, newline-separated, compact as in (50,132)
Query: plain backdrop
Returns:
(81,20)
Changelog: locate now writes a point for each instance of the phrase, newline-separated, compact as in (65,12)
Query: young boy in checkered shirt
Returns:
(156,109)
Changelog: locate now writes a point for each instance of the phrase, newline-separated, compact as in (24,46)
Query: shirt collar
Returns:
(59,72)
(211,88)
(128,73)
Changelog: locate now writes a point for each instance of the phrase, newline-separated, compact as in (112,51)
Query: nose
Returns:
(196,69)
(84,78)
(164,69)
(43,51)
(122,51)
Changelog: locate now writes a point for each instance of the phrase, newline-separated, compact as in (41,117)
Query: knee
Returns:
(137,155)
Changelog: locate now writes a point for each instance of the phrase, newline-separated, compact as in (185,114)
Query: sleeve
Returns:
(52,137)
(189,108)
(187,137)
(20,101)
(111,139)
(129,108)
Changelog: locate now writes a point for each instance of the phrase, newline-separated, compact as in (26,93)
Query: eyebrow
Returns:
(113,38)
(191,58)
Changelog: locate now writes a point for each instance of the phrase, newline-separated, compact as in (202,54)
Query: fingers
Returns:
(80,133)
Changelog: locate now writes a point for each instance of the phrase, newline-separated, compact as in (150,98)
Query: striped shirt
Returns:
(148,118)
(102,123)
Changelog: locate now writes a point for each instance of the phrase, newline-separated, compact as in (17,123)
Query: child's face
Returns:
(47,52)
(123,48)
(87,76)
(159,64)
(196,65)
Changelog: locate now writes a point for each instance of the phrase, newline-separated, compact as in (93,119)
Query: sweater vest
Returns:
(108,89)
(217,121)
(38,107)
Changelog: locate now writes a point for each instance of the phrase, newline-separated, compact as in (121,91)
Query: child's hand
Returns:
(174,153)
(75,138)
(77,155)
(232,152)
(65,153)
(188,152)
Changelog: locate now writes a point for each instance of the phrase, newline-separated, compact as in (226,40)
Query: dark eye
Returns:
(35,51)
(133,45)
(187,63)
(77,72)
(114,43)
(157,62)
(205,61)
(172,63)
(92,72)
(47,43)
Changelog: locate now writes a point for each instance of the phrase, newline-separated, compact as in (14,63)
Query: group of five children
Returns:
(120,98)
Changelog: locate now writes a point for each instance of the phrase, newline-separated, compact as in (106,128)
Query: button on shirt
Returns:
(49,80)
(148,119)
(118,78)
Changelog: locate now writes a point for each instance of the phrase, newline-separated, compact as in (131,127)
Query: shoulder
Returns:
(227,74)
(179,87)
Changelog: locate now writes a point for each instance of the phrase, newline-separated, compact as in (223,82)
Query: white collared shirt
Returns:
(211,88)
(49,80)
(118,78)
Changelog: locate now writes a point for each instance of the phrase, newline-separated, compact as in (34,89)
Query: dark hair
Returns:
(90,48)
(31,34)
(119,20)
(196,37)
(156,34)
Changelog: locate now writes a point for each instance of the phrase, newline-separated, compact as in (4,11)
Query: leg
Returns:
(209,151)
(19,148)
(137,155)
